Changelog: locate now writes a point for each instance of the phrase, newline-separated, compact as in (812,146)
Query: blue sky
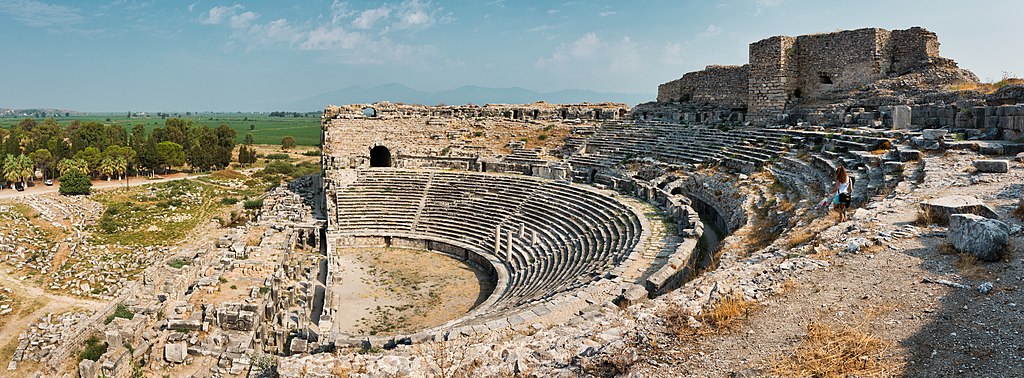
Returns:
(212,55)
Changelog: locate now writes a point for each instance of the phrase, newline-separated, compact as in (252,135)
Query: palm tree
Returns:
(66,165)
(18,168)
(107,167)
(25,168)
(10,169)
(120,166)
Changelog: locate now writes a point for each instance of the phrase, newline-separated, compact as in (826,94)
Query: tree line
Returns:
(99,150)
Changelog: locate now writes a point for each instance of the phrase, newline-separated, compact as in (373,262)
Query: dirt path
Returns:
(931,330)
(38,302)
(39,188)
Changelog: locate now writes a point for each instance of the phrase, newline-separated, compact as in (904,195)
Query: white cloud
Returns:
(585,45)
(553,11)
(590,52)
(673,53)
(362,39)
(711,31)
(39,14)
(216,15)
(761,5)
(369,17)
(607,13)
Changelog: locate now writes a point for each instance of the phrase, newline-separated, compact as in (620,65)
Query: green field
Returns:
(264,128)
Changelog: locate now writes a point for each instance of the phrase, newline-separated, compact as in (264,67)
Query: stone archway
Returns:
(380,156)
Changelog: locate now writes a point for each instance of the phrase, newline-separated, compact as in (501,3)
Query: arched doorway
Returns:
(380,156)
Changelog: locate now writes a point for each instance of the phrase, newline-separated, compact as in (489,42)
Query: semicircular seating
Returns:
(581,235)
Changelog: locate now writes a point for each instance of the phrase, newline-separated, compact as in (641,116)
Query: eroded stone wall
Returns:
(714,84)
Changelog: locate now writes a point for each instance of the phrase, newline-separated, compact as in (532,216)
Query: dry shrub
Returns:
(608,365)
(724,315)
(447,360)
(1019,211)
(788,285)
(987,88)
(925,218)
(968,266)
(836,351)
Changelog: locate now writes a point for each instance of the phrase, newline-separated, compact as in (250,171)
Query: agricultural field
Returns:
(264,128)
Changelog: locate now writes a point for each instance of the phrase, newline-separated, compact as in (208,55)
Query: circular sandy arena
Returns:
(389,291)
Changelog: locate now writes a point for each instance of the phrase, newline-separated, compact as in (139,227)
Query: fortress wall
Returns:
(718,85)
(839,61)
(772,78)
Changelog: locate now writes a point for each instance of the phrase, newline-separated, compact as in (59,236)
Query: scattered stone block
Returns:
(934,134)
(992,166)
(982,237)
(940,209)
(175,352)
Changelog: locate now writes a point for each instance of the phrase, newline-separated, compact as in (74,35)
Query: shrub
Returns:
(279,167)
(287,143)
(122,311)
(311,153)
(253,204)
(228,200)
(277,156)
(478,133)
(542,137)
(94,348)
(177,263)
(75,183)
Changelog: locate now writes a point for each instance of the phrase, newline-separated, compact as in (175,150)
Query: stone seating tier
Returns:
(570,236)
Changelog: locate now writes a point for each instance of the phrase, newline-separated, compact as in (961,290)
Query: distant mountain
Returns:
(458,96)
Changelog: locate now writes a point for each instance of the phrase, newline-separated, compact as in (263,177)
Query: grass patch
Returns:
(121,311)
(969,266)
(178,263)
(724,315)
(836,351)
(253,204)
(925,218)
(158,214)
(94,348)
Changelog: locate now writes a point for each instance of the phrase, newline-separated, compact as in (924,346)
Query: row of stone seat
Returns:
(562,236)
(747,148)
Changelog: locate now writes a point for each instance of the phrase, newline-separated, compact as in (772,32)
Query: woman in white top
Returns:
(843,188)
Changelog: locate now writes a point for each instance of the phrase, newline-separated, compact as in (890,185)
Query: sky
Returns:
(240,55)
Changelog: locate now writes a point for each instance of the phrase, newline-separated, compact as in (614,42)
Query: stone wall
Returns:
(722,85)
(784,72)
(838,61)
(772,78)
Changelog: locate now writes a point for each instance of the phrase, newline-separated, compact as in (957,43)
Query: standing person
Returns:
(842,190)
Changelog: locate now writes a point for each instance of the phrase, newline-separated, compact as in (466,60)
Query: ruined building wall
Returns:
(772,77)
(784,71)
(720,85)
(839,61)
(911,49)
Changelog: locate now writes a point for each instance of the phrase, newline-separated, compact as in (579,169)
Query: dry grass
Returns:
(1019,211)
(448,360)
(987,88)
(969,266)
(722,316)
(836,351)
(925,218)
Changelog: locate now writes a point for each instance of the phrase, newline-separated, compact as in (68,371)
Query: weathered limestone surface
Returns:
(940,209)
(992,166)
(982,237)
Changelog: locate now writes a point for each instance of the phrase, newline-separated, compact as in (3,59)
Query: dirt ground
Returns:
(927,329)
(397,291)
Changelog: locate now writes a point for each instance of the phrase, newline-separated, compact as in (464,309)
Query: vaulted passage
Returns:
(380,156)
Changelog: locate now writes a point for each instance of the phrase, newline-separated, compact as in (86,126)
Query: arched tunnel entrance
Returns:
(380,156)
